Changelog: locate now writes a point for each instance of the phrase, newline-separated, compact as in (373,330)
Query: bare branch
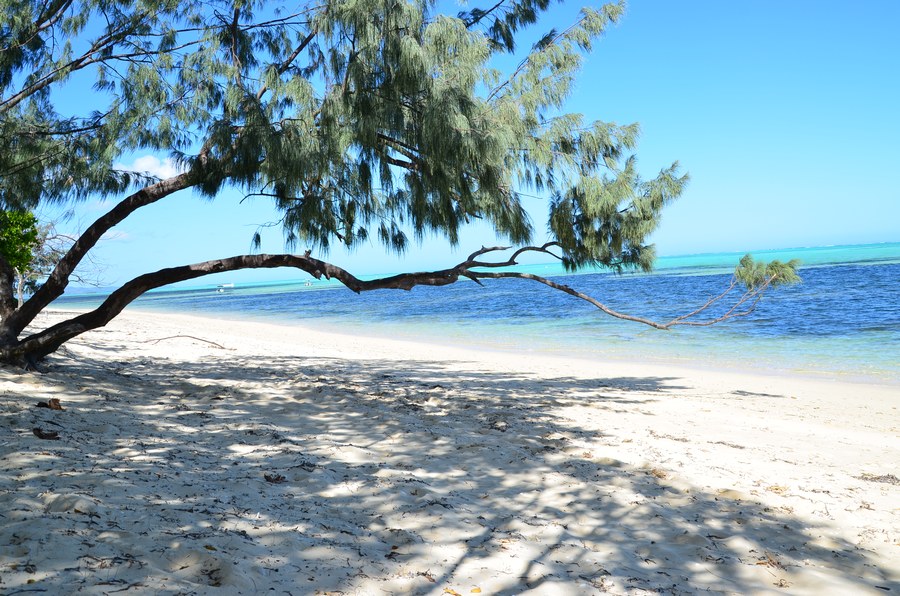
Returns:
(156,341)
(45,342)
(573,292)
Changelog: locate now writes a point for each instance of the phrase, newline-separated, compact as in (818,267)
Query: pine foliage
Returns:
(753,274)
(358,118)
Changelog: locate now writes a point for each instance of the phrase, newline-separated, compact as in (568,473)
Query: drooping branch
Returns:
(743,305)
(47,341)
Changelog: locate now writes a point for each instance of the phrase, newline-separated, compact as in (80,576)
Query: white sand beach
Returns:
(202,456)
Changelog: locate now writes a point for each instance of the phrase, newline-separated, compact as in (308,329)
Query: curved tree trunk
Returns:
(14,322)
(39,345)
(35,347)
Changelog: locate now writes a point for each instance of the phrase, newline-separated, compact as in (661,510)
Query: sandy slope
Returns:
(301,462)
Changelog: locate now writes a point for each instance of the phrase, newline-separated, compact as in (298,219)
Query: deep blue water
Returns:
(843,320)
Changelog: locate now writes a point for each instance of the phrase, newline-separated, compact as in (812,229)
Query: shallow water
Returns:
(843,320)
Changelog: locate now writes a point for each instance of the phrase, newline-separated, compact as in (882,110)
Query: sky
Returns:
(783,113)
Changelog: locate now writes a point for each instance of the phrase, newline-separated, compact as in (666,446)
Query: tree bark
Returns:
(20,289)
(7,297)
(39,345)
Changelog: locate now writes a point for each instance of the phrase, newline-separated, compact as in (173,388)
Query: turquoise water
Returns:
(842,322)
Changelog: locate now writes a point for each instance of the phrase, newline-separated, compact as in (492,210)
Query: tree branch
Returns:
(282,68)
(527,60)
(474,20)
(58,280)
(47,341)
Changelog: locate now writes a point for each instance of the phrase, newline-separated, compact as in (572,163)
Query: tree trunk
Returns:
(7,298)
(13,324)
(35,347)
(39,345)
(20,289)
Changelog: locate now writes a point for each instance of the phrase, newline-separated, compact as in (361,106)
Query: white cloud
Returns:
(153,166)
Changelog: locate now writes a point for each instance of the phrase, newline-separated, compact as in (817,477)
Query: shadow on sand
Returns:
(298,474)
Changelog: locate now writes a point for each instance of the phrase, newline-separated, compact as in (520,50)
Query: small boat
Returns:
(223,287)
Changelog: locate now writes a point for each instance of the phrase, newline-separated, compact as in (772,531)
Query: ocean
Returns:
(843,321)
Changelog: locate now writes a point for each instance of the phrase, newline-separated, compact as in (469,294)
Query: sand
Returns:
(202,456)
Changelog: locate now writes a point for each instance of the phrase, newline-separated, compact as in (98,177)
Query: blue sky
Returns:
(784,114)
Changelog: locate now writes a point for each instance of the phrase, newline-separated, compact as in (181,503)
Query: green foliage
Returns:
(47,153)
(18,238)
(755,274)
(359,118)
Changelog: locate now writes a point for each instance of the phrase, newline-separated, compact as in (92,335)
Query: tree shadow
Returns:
(306,474)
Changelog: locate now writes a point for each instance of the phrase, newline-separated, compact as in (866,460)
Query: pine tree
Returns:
(359,119)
